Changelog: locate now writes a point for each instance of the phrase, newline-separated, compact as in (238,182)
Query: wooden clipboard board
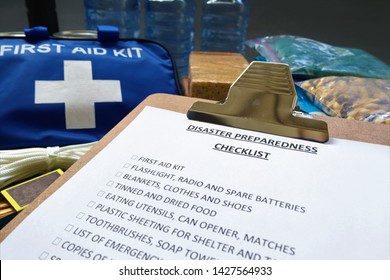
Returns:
(338,128)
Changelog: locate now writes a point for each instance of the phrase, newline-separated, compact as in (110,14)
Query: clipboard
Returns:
(337,128)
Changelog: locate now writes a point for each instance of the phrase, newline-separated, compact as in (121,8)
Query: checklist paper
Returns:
(170,188)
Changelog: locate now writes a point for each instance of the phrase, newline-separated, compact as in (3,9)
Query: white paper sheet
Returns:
(171,188)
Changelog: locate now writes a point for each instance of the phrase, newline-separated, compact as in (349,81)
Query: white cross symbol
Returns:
(79,92)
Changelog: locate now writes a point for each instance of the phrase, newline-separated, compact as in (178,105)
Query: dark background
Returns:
(348,23)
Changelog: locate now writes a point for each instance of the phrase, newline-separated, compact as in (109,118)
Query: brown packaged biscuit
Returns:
(212,73)
(349,97)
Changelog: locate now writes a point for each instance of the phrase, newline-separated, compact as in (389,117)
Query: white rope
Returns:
(16,165)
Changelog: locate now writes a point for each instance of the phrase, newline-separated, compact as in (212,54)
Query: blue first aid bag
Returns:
(56,92)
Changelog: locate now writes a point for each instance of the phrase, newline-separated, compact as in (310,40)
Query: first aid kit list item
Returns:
(170,188)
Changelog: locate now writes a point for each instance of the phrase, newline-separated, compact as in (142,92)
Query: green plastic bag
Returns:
(310,59)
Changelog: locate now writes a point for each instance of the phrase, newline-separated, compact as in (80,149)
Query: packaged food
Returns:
(363,99)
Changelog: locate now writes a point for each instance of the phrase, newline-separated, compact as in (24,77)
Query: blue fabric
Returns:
(107,33)
(36,33)
(141,67)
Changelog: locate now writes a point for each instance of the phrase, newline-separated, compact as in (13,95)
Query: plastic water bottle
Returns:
(125,14)
(171,23)
(224,25)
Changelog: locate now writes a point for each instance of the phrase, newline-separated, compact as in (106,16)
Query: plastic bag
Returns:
(305,103)
(363,99)
(310,59)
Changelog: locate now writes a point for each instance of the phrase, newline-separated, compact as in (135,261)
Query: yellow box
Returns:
(212,73)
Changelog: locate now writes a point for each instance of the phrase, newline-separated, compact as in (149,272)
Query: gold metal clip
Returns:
(262,99)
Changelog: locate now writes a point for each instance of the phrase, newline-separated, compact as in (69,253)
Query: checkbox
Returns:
(100,193)
(56,241)
(69,228)
(134,157)
(110,183)
(91,204)
(119,174)
(44,255)
(80,215)
(126,165)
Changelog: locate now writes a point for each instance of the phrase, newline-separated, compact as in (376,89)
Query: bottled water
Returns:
(224,25)
(125,14)
(171,22)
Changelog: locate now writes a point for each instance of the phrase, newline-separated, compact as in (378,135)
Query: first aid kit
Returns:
(60,94)
(56,92)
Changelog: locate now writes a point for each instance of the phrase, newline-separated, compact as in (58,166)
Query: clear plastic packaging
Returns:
(125,14)
(224,25)
(363,99)
(172,23)
(308,58)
